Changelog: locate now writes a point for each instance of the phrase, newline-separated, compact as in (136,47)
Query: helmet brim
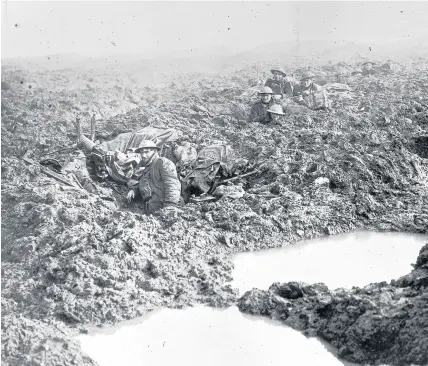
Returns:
(276,70)
(138,149)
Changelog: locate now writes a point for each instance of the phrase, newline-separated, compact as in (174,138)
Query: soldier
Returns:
(281,84)
(259,110)
(158,183)
(368,68)
(308,94)
(276,114)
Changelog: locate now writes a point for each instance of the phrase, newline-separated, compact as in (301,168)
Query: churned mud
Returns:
(379,323)
(73,259)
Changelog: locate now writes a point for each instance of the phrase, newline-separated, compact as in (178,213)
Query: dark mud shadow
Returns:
(419,146)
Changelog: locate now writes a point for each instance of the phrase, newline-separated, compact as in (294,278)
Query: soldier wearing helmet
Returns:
(307,82)
(259,110)
(276,114)
(280,83)
(368,68)
(158,184)
(306,94)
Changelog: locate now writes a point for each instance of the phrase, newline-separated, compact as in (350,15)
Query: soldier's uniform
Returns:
(311,97)
(369,72)
(159,185)
(275,85)
(259,112)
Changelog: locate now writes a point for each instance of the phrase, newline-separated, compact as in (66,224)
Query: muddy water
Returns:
(204,336)
(347,260)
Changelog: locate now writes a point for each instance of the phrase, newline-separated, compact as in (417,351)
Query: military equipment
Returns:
(146,144)
(239,176)
(78,130)
(307,75)
(93,128)
(47,171)
(98,157)
(276,109)
(265,90)
(281,71)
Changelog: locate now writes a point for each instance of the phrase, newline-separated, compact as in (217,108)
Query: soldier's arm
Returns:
(171,183)
(297,90)
(254,117)
(287,88)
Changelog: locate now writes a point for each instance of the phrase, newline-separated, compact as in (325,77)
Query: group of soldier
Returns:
(281,86)
(158,184)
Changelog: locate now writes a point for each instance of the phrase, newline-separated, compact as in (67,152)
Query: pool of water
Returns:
(354,259)
(204,336)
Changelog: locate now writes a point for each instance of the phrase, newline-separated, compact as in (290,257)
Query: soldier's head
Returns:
(147,150)
(276,113)
(278,74)
(307,78)
(368,65)
(265,94)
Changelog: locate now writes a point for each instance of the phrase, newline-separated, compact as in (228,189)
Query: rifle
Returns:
(47,171)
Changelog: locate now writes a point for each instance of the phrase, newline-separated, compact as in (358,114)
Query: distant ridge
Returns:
(215,59)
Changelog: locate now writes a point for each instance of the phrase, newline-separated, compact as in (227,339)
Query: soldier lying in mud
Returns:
(149,168)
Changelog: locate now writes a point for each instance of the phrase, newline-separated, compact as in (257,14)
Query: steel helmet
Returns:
(307,75)
(281,71)
(369,62)
(265,90)
(146,144)
(341,72)
(276,109)
(357,71)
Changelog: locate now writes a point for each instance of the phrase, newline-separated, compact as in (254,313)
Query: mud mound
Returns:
(78,259)
(377,324)
(31,342)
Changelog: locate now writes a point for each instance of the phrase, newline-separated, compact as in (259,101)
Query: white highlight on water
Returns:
(204,336)
(354,259)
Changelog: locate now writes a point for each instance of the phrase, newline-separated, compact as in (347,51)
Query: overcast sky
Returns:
(105,28)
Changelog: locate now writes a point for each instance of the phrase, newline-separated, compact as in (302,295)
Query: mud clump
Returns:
(75,259)
(378,324)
